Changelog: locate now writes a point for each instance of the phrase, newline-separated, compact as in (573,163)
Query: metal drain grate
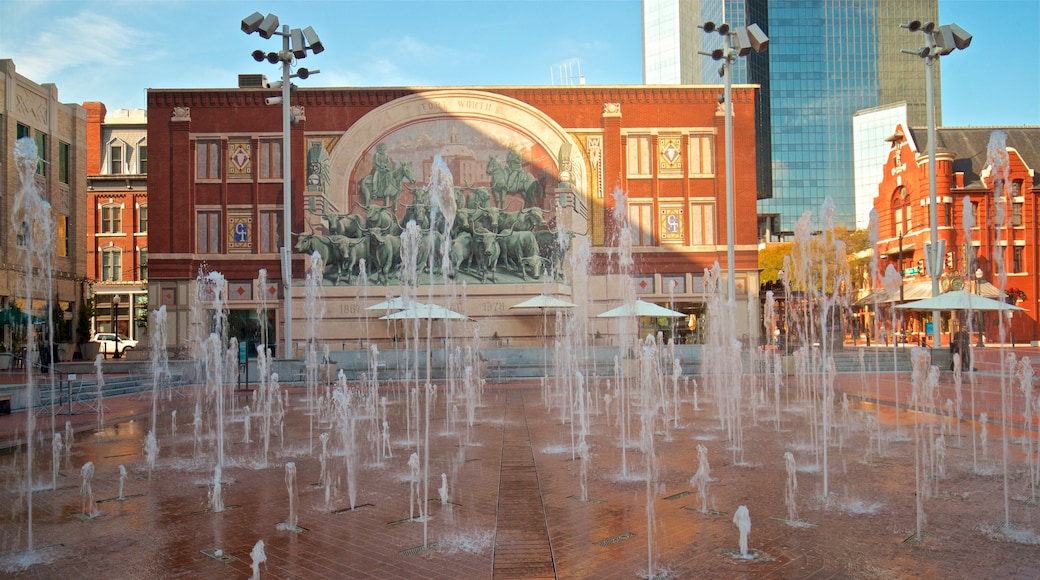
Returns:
(353,509)
(589,500)
(615,539)
(417,549)
(219,555)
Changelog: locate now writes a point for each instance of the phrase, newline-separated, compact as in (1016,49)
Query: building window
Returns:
(111,264)
(702,162)
(901,212)
(207,159)
(21,238)
(41,152)
(64,150)
(270,231)
(117,157)
(22,131)
(270,159)
(641,220)
(142,159)
(639,156)
(1016,214)
(702,224)
(111,219)
(1016,259)
(208,232)
(975,214)
(63,235)
(142,219)
(1016,188)
(142,263)
(948,214)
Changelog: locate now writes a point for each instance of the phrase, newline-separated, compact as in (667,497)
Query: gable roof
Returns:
(968,145)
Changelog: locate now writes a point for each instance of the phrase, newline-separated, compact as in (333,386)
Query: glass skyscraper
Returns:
(827,60)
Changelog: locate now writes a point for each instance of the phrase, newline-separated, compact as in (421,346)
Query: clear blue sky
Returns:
(113,51)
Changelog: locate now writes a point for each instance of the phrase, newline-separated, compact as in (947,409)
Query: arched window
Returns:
(901,218)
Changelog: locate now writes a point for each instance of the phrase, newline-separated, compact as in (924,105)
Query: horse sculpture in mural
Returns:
(513,180)
(390,188)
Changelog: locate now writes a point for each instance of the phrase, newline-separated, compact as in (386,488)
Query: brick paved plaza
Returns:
(514,506)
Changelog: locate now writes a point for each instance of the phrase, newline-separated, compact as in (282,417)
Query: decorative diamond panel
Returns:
(670,154)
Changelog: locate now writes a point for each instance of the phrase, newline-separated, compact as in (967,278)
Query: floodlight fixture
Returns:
(268,27)
(313,42)
(273,101)
(296,43)
(273,58)
(723,29)
(251,23)
(302,73)
(758,38)
(742,42)
(259,55)
(912,26)
(708,27)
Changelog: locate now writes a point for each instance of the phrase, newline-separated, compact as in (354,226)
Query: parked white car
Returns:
(110,343)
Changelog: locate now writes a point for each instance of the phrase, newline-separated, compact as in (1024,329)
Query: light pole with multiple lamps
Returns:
(735,43)
(939,41)
(295,44)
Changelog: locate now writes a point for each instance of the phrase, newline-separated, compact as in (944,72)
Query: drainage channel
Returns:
(521,539)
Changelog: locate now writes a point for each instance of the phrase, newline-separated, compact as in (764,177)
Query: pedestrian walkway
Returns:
(513,504)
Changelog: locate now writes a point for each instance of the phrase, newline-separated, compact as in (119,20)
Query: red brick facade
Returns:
(963,174)
(601,124)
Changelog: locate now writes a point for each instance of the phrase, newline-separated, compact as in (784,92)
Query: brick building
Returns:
(29,109)
(117,218)
(215,195)
(965,183)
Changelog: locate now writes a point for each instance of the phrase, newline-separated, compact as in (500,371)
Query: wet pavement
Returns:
(514,505)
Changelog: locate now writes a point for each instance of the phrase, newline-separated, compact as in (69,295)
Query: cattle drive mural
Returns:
(504,230)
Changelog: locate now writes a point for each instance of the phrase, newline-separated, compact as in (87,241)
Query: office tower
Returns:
(827,59)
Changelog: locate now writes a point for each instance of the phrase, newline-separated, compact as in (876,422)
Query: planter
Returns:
(88,350)
(64,351)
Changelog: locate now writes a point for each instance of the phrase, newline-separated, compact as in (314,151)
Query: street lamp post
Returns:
(115,325)
(939,41)
(735,43)
(295,44)
(978,315)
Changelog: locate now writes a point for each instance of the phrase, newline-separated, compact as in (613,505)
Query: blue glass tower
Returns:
(827,59)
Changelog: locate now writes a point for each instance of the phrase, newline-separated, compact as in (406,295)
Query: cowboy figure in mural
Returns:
(385,180)
(512,179)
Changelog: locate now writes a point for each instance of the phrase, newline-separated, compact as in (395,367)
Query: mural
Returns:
(504,229)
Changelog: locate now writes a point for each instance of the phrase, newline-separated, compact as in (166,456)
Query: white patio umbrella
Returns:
(959,300)
(642,308)
(543,303)
(422,311)
(395,303)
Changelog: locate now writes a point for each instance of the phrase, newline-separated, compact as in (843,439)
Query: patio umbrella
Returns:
(959,300)
(542,301)
(395,303)
(421,311)
(642,308)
